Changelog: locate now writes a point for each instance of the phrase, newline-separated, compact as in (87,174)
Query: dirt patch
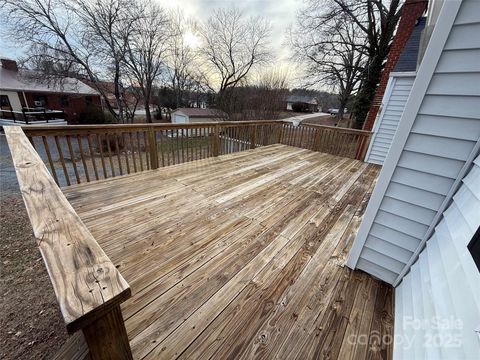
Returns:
(31,326)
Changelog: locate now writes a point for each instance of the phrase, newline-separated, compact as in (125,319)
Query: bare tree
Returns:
(334,53)
(109,25)
(146,49)
(89,34)
(183,70)
(233,45)
(376,20)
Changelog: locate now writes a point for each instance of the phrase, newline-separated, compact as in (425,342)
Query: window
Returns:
(88,100)
(39,101)
(5,103)
(64,101)
(474,248)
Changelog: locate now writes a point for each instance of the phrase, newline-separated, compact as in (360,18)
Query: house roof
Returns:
(303,99)
(201,113)
(27,80)
(409,56)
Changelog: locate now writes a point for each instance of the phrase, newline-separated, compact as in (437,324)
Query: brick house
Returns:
(24,90)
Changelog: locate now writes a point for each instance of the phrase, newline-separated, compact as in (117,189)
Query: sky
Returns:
(280,13)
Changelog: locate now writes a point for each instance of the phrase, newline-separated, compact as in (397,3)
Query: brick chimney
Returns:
(8,64)
(412,10)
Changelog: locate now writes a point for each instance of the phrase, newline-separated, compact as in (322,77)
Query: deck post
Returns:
(363,147)
(216,140)
(253,137)
(152,147)
(107,337)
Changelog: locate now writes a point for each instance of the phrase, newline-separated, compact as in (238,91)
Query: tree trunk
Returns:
(118,96)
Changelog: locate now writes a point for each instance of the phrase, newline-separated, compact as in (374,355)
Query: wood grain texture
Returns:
(107,338)
(241,255)
(86,282)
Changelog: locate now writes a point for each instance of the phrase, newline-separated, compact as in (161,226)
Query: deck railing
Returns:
(88,286)
(83,153)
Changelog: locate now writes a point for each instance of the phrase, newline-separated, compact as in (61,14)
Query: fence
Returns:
(83,153)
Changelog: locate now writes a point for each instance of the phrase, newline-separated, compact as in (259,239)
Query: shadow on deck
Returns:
(242,256)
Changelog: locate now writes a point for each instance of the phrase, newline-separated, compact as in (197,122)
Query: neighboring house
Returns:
(27,90)
(192,115)
(309,103)
(398,89)
(425,208)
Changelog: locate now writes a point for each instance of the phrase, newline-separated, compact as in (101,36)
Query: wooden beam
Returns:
(87,284)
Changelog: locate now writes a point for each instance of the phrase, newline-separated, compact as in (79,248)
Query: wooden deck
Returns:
(241,256)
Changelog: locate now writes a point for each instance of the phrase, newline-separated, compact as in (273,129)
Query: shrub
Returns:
(94,115)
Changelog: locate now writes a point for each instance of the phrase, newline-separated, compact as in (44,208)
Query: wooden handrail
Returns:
(83,153)
(88,286)
(339,129)
(164,126)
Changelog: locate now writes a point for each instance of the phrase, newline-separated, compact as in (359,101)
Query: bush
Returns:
(94,115)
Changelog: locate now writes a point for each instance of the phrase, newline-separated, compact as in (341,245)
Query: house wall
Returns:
(411,11)
(76,102)
(178,118)
(13,98)
(435,143)
(443,284)
(393,104)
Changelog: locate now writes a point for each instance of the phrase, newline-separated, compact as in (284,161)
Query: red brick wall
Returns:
(411,11)
(76,103)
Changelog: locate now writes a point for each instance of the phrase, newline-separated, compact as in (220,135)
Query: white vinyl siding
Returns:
(444,284)
(437,139)
(393,103)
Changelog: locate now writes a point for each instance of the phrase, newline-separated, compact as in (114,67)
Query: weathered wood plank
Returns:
(86,283)
(239,255)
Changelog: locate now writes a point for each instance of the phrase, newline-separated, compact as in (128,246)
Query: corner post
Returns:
(107,338)
(216,140)
(152,147)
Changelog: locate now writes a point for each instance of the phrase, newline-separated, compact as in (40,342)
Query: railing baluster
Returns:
(109,148)
(117,148)
(137,135)
(50,160)
(72,157)
(92,156)
(147,148)
(62,160)
(132,146)
(162,148)
(125,151)
(82,156)
(102,158)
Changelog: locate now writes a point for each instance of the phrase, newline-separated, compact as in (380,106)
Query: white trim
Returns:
(376,125)
(434,50)
(446,202)
(403,74)
(25,98)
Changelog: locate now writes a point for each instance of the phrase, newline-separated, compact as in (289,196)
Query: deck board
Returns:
(242,256)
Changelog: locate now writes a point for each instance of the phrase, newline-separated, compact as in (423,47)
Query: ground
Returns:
(329,120)
(31,326)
